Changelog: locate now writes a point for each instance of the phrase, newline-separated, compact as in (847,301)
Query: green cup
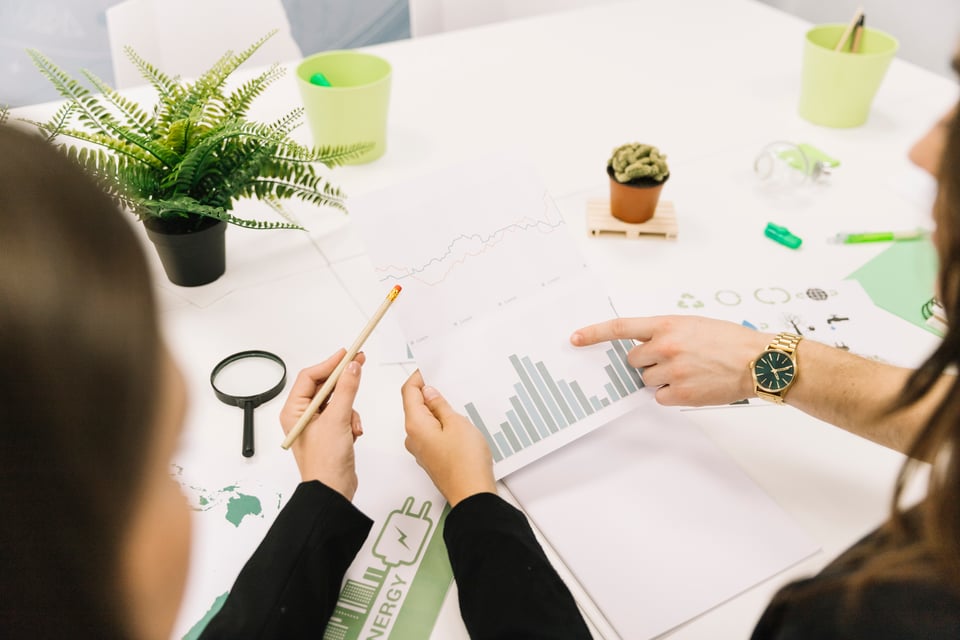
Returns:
(837,87)
(353,108)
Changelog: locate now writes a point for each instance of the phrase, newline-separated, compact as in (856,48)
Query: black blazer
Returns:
(508,589)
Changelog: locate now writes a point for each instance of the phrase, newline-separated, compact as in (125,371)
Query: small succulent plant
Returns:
(635,161)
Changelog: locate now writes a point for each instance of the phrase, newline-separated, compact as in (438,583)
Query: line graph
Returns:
(466,246)
(466,242)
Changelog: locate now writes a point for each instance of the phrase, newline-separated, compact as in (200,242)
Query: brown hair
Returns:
(921,544)
(936,536)
(80,348)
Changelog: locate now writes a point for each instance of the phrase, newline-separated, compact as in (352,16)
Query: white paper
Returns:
(492,285)
(655,522)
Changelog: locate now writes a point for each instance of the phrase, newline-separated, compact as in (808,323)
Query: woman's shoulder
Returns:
(903,609)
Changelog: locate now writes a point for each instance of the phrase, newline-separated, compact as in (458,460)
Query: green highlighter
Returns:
(319,79)
(782,235)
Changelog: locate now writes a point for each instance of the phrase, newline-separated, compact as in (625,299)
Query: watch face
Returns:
(774,370)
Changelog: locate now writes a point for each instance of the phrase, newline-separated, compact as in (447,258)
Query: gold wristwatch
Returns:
(775,370)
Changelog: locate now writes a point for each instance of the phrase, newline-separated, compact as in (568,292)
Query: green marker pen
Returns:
(878,236)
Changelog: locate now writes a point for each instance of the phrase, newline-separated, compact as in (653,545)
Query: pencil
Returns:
(858,35)
(849,30)
(331,381)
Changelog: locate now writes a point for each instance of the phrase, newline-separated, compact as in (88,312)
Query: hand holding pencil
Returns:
(328,385)
(324,451)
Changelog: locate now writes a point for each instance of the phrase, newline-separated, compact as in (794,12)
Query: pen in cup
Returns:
(879,236)
(857,35)
(849,31)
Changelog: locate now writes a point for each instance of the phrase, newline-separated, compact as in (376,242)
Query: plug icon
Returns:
(403,535)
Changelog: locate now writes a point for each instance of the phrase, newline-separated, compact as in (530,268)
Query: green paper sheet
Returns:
(901,279)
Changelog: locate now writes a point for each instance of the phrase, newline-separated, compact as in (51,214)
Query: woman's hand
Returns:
(694,361)
(450,449)
(324,450)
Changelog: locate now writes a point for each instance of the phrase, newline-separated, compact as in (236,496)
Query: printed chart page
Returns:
(493,286)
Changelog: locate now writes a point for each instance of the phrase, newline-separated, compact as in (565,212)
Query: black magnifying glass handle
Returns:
(247,429)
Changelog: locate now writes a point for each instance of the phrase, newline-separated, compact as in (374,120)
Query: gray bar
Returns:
(623,348)
(604,401)
(507,431)
(531,410)
(503,444)
(547,398)
(478,423)
(518,408)
(596,403)
(517,429)
(577,391)
(613,392)
(556,393)
(537,400)
(615,380)
(618,366)
(571,401)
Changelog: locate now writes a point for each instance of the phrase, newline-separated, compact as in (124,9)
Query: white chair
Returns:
(185,37)
(435,16)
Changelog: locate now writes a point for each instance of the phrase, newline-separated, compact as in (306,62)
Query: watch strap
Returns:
(786,342)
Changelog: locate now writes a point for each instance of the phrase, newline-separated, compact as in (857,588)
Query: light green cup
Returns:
(837,87)
(354,107)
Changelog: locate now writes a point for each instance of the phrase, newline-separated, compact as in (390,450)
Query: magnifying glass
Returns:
(248,379)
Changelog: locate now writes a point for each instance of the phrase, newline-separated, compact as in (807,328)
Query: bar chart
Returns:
(543,405)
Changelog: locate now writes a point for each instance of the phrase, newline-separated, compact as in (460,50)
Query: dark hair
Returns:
(936,538)
(80,353)
(920,544)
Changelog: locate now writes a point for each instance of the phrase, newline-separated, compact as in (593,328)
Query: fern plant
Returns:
(184,162)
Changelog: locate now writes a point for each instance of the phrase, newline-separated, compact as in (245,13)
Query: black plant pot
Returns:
(190,257)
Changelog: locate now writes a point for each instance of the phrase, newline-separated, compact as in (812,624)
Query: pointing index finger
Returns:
(616,329)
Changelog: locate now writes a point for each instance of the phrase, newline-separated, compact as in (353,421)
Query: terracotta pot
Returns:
(190,257)
(636,201)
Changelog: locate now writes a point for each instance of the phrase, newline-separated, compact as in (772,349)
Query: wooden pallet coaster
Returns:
(663,223)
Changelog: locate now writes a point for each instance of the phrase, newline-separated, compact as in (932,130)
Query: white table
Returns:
(708,81)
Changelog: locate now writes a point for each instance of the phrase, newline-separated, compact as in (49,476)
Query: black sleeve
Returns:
(508,589)
(290,585)
(906,610)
